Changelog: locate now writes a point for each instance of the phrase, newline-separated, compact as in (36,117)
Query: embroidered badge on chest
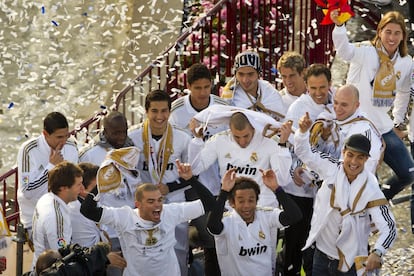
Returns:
(254,157)
(262,235)
(151,240)
(227,155)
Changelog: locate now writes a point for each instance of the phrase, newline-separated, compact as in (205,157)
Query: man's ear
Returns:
(231,202)
(137,204)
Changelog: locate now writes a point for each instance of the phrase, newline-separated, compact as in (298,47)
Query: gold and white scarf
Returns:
(351,200)
(385,80)
(157,161)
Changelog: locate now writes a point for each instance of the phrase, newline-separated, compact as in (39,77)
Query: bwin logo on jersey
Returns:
(259,249)
(170,166)
(243,170)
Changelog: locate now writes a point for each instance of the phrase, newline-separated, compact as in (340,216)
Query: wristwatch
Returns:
(377,252)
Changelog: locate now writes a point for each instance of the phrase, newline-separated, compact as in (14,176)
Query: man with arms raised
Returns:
(244,235)
(147,233)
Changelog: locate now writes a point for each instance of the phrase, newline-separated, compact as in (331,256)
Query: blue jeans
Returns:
(397,157)
(326,266)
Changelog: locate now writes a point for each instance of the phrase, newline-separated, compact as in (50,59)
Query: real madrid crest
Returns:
(253,157)
(227,155)
(151,240)
(262,235)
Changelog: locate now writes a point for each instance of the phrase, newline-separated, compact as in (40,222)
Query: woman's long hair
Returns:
(397,18)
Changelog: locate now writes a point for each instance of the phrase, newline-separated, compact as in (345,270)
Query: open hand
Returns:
(229,179)
(184,169)
(270,179)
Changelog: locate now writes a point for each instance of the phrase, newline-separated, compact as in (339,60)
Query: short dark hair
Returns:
(54,121)
(114,116)
(157,96)
(244,183)
(145,187)
(318,69)
(63,175)
(198,71)
(90,171)
(239,121)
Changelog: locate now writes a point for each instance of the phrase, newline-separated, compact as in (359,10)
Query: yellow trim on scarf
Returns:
(385,81)
(164,152)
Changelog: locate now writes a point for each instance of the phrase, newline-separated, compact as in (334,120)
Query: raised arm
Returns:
(186,177)
(291,212)
(89,207)
(316,161)
(214,223)
(344,48)
(202,155)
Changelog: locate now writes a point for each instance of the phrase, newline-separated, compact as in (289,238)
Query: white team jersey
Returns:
(125,195)
(180,145)
(270,98)
(52,227)
(358,124)
(33,167)
(247,249)
(364,64)
(95,155)
(181,113)
(304,104)
(262,153)
(297,109)
(287,98)
(85,232)
(147,247)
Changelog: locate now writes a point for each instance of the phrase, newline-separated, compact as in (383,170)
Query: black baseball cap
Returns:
(359,143)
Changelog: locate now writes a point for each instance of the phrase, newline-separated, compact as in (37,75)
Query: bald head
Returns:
(346,101)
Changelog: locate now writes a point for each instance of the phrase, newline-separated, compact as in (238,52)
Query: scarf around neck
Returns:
(157,161)
(350,200)
(385,80)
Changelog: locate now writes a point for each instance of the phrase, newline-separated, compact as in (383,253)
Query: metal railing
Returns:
(272,27)
(9,180)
